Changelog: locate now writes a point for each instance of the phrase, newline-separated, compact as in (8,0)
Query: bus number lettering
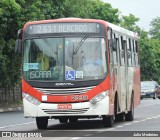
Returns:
(79,97)
(44,29)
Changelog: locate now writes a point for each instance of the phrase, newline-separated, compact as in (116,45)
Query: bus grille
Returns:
(64,91)
(65,111)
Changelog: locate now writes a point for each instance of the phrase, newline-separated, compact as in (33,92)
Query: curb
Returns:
(11,109)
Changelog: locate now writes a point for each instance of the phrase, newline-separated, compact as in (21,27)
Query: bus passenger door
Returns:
(113,63)
(110,41)
(122,73)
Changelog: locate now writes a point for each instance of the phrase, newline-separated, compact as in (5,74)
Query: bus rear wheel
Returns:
(42,122)
(108,121)
(130,115)
(119,117)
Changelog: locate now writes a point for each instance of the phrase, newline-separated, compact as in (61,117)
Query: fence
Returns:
(10,96)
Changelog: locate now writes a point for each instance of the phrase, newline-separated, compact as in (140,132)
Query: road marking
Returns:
(88,135)
(128,124)
(135,121)
(76,138)
(16,125)
(143,120)
(119,126)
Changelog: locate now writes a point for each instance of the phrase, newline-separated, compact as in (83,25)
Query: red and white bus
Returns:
(79,68)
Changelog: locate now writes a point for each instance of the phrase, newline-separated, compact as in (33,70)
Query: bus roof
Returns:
(122,30)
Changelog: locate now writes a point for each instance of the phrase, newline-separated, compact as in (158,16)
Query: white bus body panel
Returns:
(30,110)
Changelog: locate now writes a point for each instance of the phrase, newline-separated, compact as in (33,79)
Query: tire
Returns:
(108,121)
(42,122)
(130,115)
(119,117)
(158,97)
(154,96)
(73,120)
(63,120)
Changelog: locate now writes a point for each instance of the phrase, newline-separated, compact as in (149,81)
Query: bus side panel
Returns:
(130,86)
(137,87)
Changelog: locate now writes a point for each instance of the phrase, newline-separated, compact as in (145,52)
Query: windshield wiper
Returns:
(80,44)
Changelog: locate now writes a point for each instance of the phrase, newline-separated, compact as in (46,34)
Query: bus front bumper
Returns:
(67,109)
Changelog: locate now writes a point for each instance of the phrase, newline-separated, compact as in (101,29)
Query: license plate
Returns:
(64,106)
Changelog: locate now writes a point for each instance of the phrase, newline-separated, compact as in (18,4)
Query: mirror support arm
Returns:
(18,45)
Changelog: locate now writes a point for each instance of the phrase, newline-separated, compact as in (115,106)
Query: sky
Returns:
(145,10)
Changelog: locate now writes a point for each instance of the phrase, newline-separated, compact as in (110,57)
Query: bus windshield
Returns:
(64,59)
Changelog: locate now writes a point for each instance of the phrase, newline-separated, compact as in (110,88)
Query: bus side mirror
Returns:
(18,45)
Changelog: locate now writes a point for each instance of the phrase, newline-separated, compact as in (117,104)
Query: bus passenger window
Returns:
(111,52)
(129,54)
(136,53)
(133,53)
(115,53)
(122,52)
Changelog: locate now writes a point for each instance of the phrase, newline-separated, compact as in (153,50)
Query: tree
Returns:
(104,11)
(129,22)
(9,67)
(155,28)
(147,60)
(95,9)
(39,10)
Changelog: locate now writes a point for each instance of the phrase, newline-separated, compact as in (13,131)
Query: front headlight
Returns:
(99,97)
(31,99)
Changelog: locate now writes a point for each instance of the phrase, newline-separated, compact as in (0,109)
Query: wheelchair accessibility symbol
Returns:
(70,75)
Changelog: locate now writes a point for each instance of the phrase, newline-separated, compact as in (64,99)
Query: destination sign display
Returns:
(64,28)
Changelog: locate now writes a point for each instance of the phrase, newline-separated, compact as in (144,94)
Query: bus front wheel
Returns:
(42,122)
(108,121)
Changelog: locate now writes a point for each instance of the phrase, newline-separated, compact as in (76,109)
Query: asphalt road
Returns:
(147,118)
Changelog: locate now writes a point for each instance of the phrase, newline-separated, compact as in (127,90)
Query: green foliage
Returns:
(150,52)
(155,28)
(129,22)
(39,10)
(9,10)
(95,9)
(150,62)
